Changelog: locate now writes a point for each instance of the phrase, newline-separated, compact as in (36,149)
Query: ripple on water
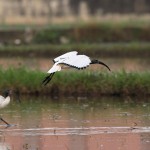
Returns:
(74,131)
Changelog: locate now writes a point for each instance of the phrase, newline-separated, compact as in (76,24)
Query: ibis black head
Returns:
(7,93)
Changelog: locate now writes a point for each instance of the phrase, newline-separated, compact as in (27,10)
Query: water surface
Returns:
(71,124)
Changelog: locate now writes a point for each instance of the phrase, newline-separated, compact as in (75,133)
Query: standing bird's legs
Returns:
(5,121)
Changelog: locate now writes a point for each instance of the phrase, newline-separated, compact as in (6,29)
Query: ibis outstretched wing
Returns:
(65,56)
(78,61)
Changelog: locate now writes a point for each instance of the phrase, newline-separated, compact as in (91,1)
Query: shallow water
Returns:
(71,124)
(116,64)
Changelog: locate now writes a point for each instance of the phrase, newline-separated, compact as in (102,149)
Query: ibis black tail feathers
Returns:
(99,62)
(47,78)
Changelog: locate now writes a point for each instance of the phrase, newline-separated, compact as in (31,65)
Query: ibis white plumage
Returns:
(71,59)
(4,101)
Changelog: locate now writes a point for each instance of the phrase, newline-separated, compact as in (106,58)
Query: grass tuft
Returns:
(77,83)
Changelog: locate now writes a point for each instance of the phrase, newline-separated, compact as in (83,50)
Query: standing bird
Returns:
(71,59)
(4,101)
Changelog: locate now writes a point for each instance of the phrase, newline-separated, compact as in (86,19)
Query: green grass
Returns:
(78,83)
(20,78)
(94,32)
(128,38)
(133,49)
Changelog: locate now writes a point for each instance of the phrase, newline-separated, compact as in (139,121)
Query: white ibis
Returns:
(71,59)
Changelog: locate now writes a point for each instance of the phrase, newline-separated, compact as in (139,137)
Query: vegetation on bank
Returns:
(91,32)
(105,38)
(94,32)
(133,49)
(76,83)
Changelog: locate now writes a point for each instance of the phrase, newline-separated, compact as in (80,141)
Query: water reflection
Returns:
(69,124)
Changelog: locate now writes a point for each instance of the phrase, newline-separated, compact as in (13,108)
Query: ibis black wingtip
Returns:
(47,79)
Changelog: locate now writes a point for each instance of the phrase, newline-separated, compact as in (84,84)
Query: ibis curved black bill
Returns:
(99,62)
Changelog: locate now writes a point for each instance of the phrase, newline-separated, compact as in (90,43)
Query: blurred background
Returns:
(76,110)
(33,32)
(99,28)
(54,11)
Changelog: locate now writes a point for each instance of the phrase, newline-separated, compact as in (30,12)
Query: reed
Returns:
(76,83)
